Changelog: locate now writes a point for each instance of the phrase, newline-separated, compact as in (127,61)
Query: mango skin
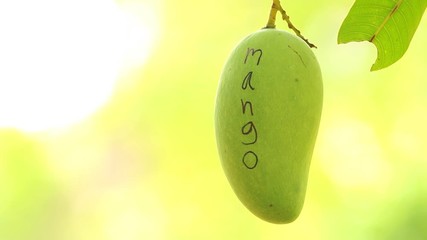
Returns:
(267,115)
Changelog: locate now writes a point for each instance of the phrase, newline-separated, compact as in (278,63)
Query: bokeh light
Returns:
(60,60)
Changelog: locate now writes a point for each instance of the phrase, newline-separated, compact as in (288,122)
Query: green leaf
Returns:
(389,24)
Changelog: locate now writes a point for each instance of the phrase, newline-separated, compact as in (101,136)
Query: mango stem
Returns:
(277,7)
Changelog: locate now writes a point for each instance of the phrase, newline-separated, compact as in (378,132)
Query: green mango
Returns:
(267,115)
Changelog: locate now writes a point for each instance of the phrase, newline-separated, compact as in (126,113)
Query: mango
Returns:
(267,114)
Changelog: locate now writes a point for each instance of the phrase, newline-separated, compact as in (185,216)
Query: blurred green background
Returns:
(141,163)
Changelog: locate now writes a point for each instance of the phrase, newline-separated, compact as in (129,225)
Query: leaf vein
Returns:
(393,11)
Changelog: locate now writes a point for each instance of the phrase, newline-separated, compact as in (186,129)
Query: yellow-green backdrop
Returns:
(144,164)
